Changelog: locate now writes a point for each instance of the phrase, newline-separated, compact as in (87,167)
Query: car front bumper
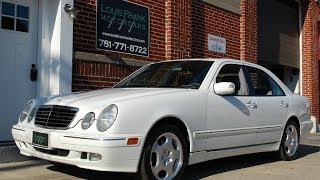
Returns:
(74,149)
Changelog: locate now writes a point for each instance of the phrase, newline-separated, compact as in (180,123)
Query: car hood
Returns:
(105,97)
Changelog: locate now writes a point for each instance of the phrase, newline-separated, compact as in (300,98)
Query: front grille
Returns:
(55,117)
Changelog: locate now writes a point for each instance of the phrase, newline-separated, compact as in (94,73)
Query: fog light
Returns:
(94,157)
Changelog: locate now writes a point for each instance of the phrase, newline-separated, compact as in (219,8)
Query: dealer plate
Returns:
(40,139)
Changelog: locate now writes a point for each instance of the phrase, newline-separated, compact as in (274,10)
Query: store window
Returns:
(15,17)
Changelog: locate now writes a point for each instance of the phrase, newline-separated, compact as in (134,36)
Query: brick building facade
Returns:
(44,37)
(179,29)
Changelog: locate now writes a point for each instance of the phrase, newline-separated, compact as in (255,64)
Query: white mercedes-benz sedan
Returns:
(167,115)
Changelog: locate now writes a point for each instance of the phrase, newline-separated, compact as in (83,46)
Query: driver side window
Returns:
(236,74)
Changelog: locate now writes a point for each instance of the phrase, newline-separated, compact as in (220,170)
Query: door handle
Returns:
(33,73)
(251,105)
(284,104)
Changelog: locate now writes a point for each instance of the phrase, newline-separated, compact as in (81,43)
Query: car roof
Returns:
(218,60)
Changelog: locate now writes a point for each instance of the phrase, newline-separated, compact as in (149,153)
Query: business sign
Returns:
(216,44)
(122,27)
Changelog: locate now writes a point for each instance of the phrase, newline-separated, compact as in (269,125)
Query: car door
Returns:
(272,106)
(229,118)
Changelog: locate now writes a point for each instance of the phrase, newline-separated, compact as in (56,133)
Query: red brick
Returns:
(310,68)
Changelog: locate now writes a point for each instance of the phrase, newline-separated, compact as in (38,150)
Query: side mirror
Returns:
(224,88)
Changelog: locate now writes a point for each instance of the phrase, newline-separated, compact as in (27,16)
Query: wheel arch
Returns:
(295,119)
(181,125)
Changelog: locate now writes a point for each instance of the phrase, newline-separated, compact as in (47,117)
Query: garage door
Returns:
(278,32)
(18,49)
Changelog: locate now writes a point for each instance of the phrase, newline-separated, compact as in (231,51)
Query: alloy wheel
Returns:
(291,140)
(166,158)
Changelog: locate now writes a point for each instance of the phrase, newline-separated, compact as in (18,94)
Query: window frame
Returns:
(247,78)
(15,17)
(269,78)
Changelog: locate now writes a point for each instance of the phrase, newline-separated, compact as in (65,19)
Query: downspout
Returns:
(300,46)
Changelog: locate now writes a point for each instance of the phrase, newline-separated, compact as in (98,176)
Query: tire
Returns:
(164,154)
(290,142)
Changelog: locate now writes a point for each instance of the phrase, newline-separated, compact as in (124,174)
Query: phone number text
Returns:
(122,46)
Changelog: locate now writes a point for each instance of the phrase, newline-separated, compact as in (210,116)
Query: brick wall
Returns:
(188,23)
(249,31)
(310,68)
(179,29)
(208,19)
(88,75)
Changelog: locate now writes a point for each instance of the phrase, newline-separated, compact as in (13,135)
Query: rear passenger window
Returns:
(235,74)
(262,84)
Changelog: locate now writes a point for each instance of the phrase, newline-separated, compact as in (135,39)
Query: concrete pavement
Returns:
(263,166)
(257,166)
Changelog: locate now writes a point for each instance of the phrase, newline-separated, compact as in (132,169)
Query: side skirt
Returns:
(201,156)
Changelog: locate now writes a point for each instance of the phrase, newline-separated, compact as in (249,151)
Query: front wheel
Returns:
(290,142)
(164,155)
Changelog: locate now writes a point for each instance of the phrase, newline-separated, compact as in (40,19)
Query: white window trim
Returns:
(225,5)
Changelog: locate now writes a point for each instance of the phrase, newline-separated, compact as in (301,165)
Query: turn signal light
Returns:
(133,141)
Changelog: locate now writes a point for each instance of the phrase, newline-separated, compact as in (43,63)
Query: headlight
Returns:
(31,114)
(87,121)
(107,117)
(25,112)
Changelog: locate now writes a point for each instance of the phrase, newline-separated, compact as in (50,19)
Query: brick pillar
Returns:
(310,68)
(249,31)
(178,29)
(170,22)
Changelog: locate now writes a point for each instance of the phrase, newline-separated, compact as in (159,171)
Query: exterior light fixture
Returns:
(71,10)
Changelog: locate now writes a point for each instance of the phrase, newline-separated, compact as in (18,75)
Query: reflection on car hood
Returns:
(106,96)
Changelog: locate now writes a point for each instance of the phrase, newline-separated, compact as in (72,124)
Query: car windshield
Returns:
(173,74)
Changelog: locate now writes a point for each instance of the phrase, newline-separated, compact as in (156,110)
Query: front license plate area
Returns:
(40,139)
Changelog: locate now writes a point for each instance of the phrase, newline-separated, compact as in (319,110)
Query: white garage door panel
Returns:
(17,54)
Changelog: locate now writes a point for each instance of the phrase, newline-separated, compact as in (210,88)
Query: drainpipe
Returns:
(300,46)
